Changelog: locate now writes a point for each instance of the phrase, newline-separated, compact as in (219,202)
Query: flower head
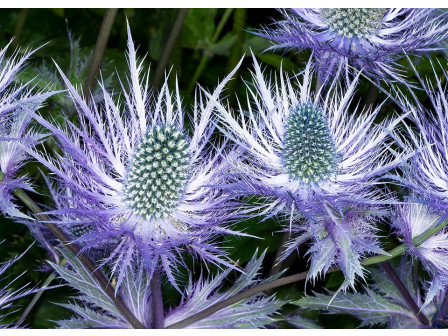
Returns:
(371,39)
(311,161)
(136,182)
(14,129)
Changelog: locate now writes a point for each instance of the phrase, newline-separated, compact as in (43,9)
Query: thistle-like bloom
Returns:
(414,219)
(135,180)
(427,175)
(307,157)
(7,294)
(371,39)
(14,128)
(94,309)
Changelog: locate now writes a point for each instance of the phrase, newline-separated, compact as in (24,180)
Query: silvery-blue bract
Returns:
(14,128)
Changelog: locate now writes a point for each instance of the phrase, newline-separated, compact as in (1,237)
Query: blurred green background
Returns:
(210,43)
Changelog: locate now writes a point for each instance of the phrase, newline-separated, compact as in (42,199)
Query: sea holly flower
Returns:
(135,180)
(7,292)
(372,39)
(14,128)
(94,309)
(412,220)
(313,163)
(427,174)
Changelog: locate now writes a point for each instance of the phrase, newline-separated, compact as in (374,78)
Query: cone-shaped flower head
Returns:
(364,38)
(309,153)
(14,128)
(134,181)
(311,161)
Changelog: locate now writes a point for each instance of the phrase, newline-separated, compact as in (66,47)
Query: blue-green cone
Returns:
(309,153)
(158,173)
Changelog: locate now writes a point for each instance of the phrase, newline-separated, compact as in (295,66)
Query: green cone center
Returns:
(309,153)
(158,173)
(353,22)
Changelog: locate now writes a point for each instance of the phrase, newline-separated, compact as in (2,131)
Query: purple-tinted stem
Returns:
(405,293)
(442,314)
(157,301)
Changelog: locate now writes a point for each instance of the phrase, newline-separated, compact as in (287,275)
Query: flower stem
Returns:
(98,52)
(405,293)
(19,26)
(64,239)
(157,301)
(399,250)
(372,95)
(169,45)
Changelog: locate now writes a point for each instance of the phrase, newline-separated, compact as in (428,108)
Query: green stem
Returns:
(399,250)
(19,26)
(207,55)
(239,23)
(37,296)
(98,53)
(89,264)
(169,45)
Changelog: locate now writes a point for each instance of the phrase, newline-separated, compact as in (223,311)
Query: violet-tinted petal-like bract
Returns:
(14,128)
(314,164)
(371,39)
(8,294)
(132,178)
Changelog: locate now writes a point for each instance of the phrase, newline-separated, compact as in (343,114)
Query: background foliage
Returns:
(210,44)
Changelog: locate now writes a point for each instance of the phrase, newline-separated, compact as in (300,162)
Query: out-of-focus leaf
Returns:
(302,322)
(223,46)
(371,308)
(198,26)
(278,61)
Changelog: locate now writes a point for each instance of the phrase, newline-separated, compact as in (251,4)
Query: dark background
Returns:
(210,44)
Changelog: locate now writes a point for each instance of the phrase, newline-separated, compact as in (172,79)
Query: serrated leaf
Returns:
(370,308)
(302,322)
(90,319)
(253,312)
(81,279)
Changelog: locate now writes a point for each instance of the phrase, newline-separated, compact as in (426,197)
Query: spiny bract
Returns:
(309,153)
(158,172)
